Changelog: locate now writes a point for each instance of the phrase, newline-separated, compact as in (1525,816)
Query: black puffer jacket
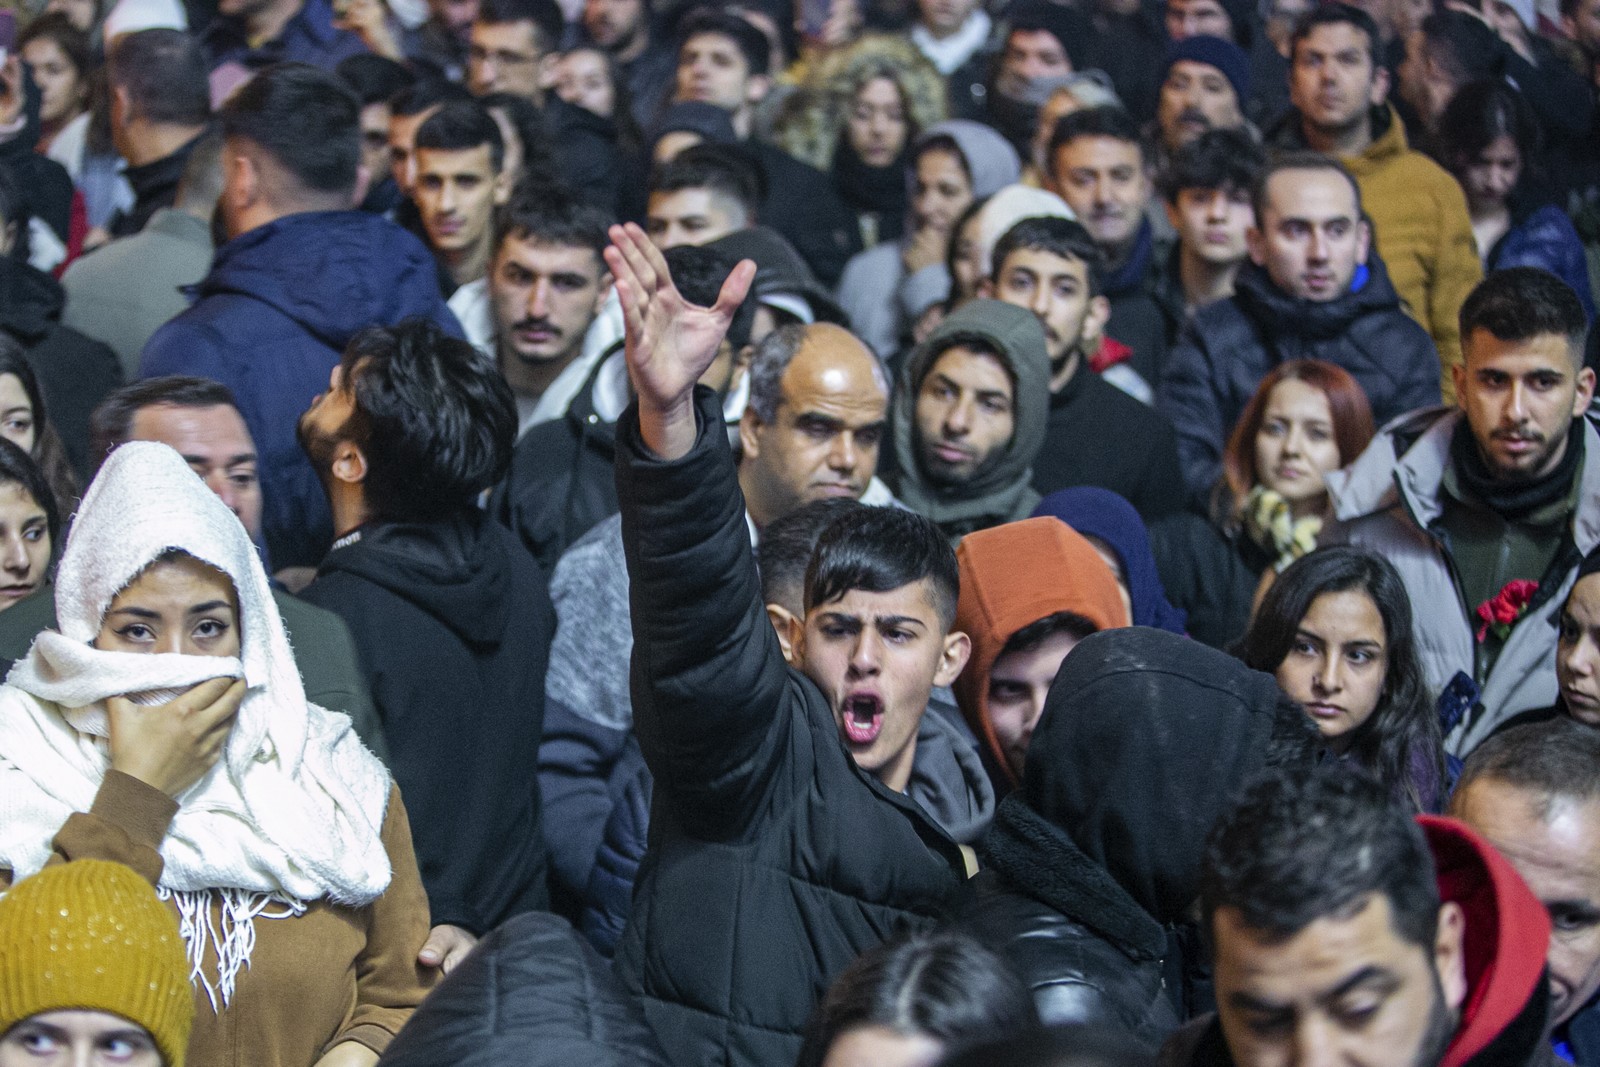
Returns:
(775,861)
(1230,345)
(560,483)
(531,994)
(1093,864)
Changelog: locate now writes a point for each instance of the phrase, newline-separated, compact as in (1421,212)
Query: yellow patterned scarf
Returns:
(1268,521)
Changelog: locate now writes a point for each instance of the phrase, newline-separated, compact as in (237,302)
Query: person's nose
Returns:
(843,456)
(1319,249)
(1579,660)
(1294,443)
(219,483)
(1329,679)
(1217,207)
(448,198)
(867,656)
(539,300)
(14,555)
(1517,404)
(958,419)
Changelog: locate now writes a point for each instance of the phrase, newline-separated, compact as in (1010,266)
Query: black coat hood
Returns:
(456,570)
(30,301)
(1144,741)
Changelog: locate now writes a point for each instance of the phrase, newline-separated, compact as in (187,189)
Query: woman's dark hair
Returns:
(1480,114)
(48,452)
(630,138)
(943,985)
(74,43)
(1401,736)
(18,468)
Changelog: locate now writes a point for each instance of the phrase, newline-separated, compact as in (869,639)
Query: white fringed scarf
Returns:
(291,813)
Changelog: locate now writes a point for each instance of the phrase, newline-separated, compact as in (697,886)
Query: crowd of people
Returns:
(838,533)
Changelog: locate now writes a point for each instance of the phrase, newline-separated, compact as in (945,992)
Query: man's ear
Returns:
(957,650)
(349,464)
(791,632)
(1380,86)
(1363,240)
(986,288)
(1255,242)
(757,88)
(749,434)
(741,365)
(1449,958)
(1095,319)
(363,184)
(502,188)
(1580,403)
(121,103)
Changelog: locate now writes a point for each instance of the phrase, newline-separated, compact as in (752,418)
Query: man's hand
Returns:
(171,746)
(446,946)
(670,342)
(369,20)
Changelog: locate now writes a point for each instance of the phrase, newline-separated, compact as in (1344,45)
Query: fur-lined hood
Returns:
(809,126)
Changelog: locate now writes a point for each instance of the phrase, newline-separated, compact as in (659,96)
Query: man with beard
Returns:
(547,284)
(1345,933)
(1204,87)
(968,418)
(1476,505)
(1096,433)
(1044,45)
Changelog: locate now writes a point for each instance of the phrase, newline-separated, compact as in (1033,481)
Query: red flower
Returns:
(1500,612)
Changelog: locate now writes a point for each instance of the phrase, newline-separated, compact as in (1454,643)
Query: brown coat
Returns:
(332,975)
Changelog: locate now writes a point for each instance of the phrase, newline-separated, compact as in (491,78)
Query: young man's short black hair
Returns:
(374,79)
(1065,238)
(722,169)
(753,44)
(435,421)
(1107,120)
(111,422)
(1039,631)
(1305,845)
(305,119)
(551,215)
(699,272)
(165,75)
(461,125)
(548,21)
(1229,159)
(1521,303)
(1333,14)
(1304,161)
(428,93)
(787,545)
(878,550)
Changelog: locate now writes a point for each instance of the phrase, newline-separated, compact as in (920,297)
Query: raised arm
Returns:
(670,342)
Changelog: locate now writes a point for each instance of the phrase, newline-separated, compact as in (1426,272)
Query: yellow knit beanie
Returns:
(92,936)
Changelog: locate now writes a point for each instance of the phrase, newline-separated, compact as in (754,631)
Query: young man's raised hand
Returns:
(670,342)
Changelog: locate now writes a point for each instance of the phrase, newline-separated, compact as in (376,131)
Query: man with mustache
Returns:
(1313,289)
(1505,489)
(1204,87)
(969,416)
(1343,932)
(547,285)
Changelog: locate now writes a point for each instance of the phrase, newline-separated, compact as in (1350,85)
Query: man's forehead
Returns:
(1193,68)
(216,429)
(524,33)
(1545,353)
(1044,263)
(1315,194)
(913,600)
(475,160)
(534,254)
(832,365)
(1536,832)
(1098,150)
(1315,960)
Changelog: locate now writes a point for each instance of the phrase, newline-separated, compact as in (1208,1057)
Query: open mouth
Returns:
(863,718)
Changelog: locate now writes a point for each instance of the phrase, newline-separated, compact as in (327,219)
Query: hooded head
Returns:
(991,162)
(1106,518)
(969,491)
(1012,577)
(1145,739)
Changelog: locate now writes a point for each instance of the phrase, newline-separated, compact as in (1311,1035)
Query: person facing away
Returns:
(1470,504)
(1344,930)
(449,613)
(781,831)
(281,300)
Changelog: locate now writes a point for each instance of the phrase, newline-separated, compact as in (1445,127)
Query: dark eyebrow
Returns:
(898,620)
(231,461)
(135,611)
(210,605)
(816,418)
(1584,910)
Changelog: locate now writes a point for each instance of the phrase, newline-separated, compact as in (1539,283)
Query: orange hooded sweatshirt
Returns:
(1012,576)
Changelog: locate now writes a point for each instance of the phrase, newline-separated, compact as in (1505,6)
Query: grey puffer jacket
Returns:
(1388,501)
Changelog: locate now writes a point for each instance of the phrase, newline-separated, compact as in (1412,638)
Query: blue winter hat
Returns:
(1226,56)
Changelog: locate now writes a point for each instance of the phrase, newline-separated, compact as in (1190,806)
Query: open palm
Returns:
(670,342)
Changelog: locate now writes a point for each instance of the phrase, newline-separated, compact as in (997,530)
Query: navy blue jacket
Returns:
(270,321)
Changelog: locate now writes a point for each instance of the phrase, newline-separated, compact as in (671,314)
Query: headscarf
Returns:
(992,163)
(1101,513)
(292,812)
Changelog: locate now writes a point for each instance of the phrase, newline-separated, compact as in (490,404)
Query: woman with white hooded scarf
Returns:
(280,841)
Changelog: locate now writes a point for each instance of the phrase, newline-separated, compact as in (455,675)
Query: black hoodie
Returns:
(1093,864)
(453,627)
(1228,346)
(75,372)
